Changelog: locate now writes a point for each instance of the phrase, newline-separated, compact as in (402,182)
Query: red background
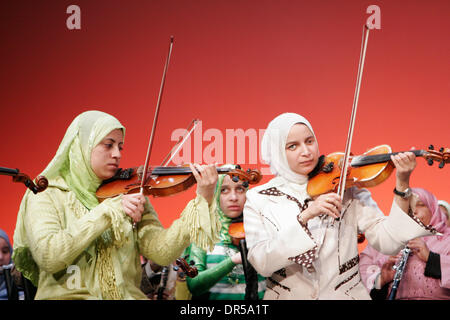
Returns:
(235,64)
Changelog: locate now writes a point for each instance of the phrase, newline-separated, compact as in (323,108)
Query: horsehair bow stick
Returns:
(344,170)
(180,143)
(150,144)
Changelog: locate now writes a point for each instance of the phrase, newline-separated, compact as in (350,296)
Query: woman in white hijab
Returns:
(298,243)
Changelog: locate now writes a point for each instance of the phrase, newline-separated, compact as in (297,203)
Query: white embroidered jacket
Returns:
(274,235)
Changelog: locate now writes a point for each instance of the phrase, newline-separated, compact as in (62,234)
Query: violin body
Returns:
(237,233)
(157,186)
(327,180)
(367,170)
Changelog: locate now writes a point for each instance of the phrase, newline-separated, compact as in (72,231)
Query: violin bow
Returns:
(180,143)
(344,170)
(150,144)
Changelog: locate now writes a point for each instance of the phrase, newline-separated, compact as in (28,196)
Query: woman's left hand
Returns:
(419,247)
(405,163)
(206,176)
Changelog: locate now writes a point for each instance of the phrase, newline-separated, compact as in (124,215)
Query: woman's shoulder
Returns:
(273,183)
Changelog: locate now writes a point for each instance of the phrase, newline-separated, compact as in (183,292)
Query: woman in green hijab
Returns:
(73,247)
(221,274)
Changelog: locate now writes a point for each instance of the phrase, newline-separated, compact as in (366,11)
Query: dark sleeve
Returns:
(433,266)
(380,294)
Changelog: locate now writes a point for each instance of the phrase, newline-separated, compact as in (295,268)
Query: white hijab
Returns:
(273,146)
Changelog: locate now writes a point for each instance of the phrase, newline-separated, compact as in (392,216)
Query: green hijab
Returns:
(72,162)
(73,159)
(225,221)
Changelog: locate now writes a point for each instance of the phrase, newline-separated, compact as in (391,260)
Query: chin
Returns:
(305,170)
(107,175)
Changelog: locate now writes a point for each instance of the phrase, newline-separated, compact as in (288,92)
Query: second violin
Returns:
(366,170)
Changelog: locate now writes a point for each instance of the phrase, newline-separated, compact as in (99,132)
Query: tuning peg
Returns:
(192,262)
(441,149)
(235,178)
(245,184)
(430,162)
(238,167)
(441,165)
(431,147)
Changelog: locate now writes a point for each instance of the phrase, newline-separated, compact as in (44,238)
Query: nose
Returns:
(304,150)
(116,153)
(233,195)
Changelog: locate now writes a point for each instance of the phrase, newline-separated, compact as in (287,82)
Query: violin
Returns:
(165,181)
(188,268)
(40,184)
(367,170)
(236,232)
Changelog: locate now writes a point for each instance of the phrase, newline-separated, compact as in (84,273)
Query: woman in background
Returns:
(221,274)
(427,272)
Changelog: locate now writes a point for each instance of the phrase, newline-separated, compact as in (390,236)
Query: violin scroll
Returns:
(250,176)
(442,156)
(40,184)
(188,268)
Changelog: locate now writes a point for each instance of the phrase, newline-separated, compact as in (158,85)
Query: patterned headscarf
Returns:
(438,218)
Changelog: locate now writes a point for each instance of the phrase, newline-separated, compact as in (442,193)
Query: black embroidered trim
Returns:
(270,222)
(349,264)
(348,290)
(275,283)
(346,280)
(428,227)
(281,272)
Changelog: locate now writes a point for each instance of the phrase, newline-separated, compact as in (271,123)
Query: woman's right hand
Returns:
(133,205)
(236,258)
(387,270)
(328,203)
